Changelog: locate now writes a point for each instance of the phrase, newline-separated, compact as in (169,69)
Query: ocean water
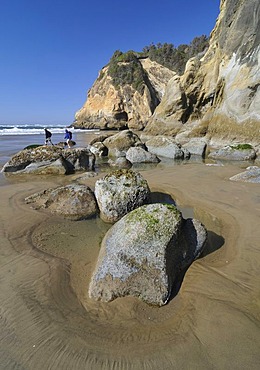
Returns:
(14,138)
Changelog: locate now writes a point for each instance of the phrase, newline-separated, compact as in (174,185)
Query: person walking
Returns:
(48,136)
(68,137)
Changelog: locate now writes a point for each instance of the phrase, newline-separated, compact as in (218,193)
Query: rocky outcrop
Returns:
(75,202)
(119,193)
(125,105)
(218,94)
(50,160)
(143,254)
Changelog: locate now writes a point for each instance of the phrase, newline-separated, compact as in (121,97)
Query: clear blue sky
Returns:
(51,50)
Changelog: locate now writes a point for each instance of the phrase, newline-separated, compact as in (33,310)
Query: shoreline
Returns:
(48,321)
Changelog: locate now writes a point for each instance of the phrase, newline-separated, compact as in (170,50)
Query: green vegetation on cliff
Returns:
(126,69)
(176,58)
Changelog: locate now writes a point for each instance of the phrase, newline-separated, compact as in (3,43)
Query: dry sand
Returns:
(48,321)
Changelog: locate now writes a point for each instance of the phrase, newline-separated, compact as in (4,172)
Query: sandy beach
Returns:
(49,322)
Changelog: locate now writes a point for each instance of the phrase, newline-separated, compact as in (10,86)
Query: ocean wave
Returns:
(28,129)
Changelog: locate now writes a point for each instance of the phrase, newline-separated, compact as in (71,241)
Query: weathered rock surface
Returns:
(51,160)
(99,149)
(120,162)
(252,174)
(219,93)
(238,152)
(144,252)
(58,167)
(119,193)
(118,144)
(124,106)
(139,155)
(75,202)
(196,146)
(164,146)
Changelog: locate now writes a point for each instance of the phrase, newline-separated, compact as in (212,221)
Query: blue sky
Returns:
(51,50)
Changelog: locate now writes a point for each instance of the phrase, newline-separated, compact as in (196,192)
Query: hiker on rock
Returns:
(68,137)
(48,136)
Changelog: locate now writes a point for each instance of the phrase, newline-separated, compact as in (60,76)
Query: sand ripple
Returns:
(48,321)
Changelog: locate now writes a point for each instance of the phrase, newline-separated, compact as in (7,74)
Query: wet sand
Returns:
(48,321)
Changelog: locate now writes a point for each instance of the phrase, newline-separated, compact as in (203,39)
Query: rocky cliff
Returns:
(125,94)
(218,95)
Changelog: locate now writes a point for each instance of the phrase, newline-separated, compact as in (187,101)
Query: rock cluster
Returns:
(50,160)
(147,248)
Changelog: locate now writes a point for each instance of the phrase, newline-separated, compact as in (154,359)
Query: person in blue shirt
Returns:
(68,137)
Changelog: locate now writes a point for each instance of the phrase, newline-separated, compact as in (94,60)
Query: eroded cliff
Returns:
(218,95)
(125,94)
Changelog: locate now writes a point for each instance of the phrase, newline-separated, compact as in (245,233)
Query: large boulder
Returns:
(75,202)
(50,160)
(164,146)
(119,193)
(239,152)
(143,254)
(118,144)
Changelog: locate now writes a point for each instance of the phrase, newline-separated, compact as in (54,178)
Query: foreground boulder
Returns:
(240,152)
(41,160)
(143,254)
(119,193)
(75,202)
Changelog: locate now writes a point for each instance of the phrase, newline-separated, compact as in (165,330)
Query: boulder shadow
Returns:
(158,197)
(213,243)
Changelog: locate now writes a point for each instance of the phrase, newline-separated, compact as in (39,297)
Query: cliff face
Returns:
(218,94)
(110,106)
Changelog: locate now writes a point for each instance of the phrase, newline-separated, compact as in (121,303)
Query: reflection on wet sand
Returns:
(49,322)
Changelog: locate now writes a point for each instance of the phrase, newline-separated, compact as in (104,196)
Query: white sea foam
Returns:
(32,129)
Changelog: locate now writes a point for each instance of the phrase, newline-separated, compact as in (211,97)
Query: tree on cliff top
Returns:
(176,58)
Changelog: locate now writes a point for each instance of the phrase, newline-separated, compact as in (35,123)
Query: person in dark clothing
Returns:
(48,136)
